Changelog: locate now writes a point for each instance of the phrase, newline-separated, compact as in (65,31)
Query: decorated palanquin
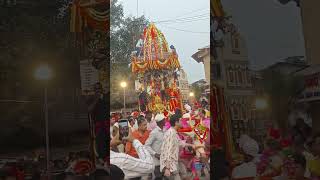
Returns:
(156,66)
(89,21)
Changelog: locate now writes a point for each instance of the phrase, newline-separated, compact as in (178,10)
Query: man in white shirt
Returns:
(132,167)
(250,150)
(154,143)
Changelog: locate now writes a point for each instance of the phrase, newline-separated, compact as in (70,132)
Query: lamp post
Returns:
(44,73)
(260,104)
(191,96)
(123,84)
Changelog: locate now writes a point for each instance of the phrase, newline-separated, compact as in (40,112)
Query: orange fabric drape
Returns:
(171,62)
(217,9)
(81,18)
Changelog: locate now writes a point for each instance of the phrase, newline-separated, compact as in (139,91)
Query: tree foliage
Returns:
(124,34)
(197,90)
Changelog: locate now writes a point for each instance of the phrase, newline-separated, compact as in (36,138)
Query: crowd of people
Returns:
(74,166)
(292,154)
(161,145)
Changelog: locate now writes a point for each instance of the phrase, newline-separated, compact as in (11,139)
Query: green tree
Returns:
(124,34)
(197,90)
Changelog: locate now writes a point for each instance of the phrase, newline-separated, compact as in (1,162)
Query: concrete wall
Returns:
(206,63)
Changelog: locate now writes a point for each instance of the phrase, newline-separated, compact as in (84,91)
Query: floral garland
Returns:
(171,62)
(163,64)
(154,43)
(264,161)
(154,49)
(99,16)
(138,66)
(82,17)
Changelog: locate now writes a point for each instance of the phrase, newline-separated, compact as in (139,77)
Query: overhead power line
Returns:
(193,11)
(183,30)
(184,21)
(206,15)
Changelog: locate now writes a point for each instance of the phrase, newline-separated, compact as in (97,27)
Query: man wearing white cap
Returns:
(113,133)
(188,108)
(154,143)
(250,149)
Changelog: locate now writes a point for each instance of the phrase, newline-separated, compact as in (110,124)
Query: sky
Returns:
(197,20)
(272,31)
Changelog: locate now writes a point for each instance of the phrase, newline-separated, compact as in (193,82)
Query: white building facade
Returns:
(184,86)
(231,71)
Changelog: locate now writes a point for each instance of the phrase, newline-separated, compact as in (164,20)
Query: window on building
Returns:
(244,113)
(231,78)
(216,71)
(236,43)
(240,113)
(234,72)
(235,113)
(240,77)
(248,77)
(243,74)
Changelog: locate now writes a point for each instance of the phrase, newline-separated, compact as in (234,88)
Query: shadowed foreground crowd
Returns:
(283,156)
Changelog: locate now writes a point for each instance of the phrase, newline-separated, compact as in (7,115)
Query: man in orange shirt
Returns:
(142,134)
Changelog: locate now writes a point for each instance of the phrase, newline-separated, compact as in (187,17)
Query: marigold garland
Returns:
(171,62)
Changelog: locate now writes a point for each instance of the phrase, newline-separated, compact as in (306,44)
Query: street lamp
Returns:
(191,97)
(261,103)
(123,84)
(44,73)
